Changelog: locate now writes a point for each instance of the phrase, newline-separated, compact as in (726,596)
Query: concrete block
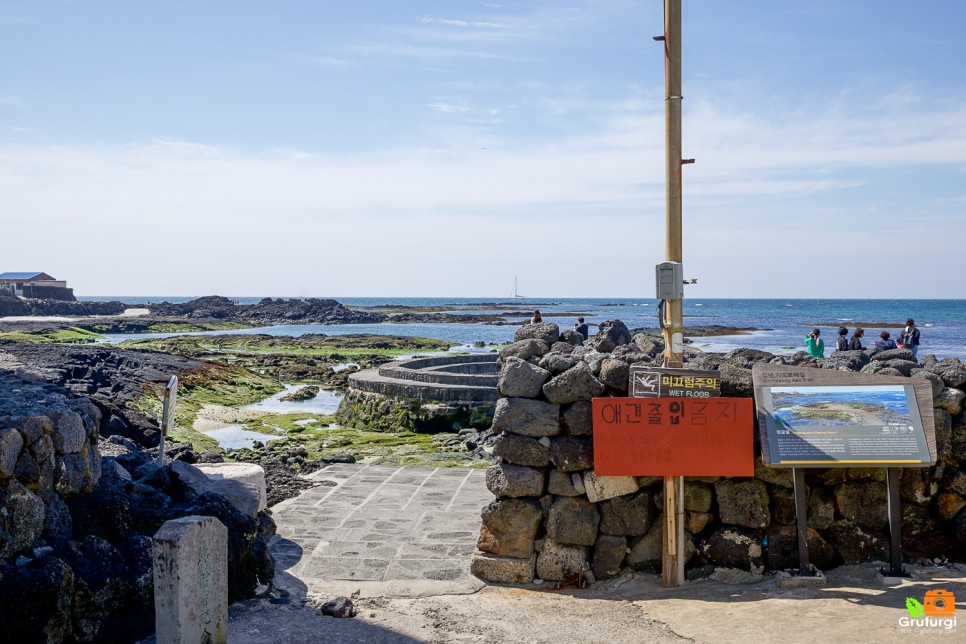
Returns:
(887,579)
(815,580)
(191,581)
(248,475)
(601,488)
(503,570)
(931,573)
(243,484)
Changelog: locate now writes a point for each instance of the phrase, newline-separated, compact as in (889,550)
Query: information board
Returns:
(658,382)
(673,437)
(822,418)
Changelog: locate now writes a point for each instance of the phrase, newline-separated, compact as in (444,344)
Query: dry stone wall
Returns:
(553,518)
(48,453)
(76,518)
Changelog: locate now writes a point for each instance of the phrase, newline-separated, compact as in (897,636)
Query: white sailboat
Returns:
(516,295)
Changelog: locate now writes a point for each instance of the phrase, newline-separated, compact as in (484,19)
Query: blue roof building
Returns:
(26,277)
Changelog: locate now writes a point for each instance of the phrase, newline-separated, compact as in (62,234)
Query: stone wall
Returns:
(381,413)
(48,453)
(50,293)
(424,395)
(76,518)
(552,517)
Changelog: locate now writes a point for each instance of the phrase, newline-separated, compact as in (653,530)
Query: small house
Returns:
(27,284)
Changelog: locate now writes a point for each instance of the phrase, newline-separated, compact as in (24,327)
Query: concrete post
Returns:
(191,581)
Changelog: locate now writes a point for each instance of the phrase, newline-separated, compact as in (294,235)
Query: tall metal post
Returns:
(673,324)
(673,566)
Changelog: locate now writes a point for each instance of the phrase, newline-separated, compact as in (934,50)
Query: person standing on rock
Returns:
(581,328)
(884,342)
(909,338)
(842,344)
(536,319)
(855,344)
(814,344)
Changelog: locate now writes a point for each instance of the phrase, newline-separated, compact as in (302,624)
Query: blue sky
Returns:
(441,148)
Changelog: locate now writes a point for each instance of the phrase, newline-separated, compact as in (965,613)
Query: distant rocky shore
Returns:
(15,306)
(219,310)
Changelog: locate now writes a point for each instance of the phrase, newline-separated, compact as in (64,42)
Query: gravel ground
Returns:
(854,607)
(495,614)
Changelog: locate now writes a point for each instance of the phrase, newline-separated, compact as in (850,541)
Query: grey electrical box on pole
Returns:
(670,281)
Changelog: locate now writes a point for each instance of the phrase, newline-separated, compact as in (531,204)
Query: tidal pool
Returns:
(326,402)
(237,437)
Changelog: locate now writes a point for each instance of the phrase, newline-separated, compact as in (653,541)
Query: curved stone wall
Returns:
(470,378)
(426,395)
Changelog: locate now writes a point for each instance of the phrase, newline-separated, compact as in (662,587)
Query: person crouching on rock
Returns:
(884,342)
(814,344)
(842,344)
(536,319)
(581,328)
(855,344)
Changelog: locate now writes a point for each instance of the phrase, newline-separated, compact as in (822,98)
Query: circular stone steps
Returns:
(469,378)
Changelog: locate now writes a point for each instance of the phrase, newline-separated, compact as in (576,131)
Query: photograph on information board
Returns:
(856,425)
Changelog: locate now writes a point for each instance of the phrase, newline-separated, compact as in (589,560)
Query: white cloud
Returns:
(483,24)
(449,108)
(230,220)
(331,62)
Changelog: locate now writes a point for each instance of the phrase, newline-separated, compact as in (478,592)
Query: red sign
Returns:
(673,437)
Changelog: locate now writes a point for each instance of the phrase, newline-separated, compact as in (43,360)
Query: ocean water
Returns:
(784,323)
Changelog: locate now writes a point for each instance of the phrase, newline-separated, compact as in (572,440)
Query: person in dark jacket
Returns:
(884,342)
(909,338)
(842,344)
(855,344)
(581,328)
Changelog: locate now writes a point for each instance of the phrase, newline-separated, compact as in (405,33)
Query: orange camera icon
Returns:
(939,603)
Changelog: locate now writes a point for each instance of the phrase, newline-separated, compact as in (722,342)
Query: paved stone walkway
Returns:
(381,524)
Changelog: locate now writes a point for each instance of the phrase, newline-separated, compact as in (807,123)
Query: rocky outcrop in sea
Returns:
(267,311)
(15,306)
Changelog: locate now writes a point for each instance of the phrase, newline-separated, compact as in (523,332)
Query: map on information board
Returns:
(844,424)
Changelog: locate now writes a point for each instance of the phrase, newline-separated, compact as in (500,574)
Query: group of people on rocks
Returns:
(579,326)
(814,344)
(908,339)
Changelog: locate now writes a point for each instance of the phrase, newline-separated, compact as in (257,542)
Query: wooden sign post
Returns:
(652,382)
(676,427)
(824,418)
(167,414)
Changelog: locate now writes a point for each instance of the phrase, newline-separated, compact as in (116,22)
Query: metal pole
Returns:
(893,476)
(673,559)
(801,516)
(673,324)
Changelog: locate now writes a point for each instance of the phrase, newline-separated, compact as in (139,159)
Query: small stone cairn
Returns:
(554,519)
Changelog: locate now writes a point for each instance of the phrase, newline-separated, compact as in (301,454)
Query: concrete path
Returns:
(402,531)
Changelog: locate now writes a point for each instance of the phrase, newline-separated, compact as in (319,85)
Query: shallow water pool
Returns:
(326,402)
(237,437)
